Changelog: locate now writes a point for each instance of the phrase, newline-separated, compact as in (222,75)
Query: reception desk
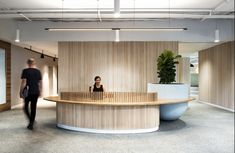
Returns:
(109,112)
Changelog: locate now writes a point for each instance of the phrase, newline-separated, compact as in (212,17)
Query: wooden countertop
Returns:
(158,102)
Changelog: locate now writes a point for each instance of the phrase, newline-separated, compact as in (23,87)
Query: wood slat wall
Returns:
(123,66)
(7,47)
(216,75)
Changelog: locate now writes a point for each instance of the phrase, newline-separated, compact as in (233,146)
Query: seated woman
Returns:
(97,87)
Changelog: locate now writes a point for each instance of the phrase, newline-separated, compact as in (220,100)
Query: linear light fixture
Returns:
(116,8)
(78,29)
(120,29)
(153,29)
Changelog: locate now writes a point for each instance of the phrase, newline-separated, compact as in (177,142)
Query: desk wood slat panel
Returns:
(157,102)
(108,117)
(75,110)
(111,97)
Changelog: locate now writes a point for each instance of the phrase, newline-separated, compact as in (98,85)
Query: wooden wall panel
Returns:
(123,66)
(7,47)
(216,75)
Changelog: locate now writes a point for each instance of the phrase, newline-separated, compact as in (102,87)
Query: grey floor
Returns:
(202,129)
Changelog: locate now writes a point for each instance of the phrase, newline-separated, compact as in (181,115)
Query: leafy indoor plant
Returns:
(166,68)
(165,89)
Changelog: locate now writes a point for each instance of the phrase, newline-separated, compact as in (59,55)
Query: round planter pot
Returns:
(171,91)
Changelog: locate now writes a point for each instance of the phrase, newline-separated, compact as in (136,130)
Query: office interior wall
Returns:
(216,75)
(123,66)
(47,66)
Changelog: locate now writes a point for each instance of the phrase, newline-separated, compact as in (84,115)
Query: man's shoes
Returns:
(30,127)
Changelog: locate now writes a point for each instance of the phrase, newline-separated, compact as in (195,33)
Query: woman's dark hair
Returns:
(97,77)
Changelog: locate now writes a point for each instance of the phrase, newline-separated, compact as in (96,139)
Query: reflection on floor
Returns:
(202,129)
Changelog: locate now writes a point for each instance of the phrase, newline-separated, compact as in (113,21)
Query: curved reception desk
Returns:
(109,112)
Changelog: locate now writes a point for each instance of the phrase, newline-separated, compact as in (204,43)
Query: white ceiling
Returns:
(187,49)
(86,10)
(45,4)
(130,9)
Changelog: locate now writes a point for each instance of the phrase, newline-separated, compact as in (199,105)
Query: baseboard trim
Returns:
(16,106)
(105,131)
(221,107)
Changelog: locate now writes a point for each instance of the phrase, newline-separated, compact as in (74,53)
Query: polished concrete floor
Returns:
(202,129)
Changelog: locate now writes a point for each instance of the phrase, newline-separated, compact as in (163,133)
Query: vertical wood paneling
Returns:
(123,66)
(7,47)
(216,75)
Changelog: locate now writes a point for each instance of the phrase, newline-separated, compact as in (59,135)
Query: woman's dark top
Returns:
(32,76)
(100,89)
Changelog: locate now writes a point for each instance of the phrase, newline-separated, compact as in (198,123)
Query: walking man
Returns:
(30,90)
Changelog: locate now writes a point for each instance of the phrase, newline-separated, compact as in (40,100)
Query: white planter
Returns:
(171,91)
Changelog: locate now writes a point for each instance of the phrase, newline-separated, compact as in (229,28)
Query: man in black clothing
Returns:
(32,80)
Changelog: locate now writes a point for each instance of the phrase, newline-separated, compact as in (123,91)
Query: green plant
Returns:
(166,66)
